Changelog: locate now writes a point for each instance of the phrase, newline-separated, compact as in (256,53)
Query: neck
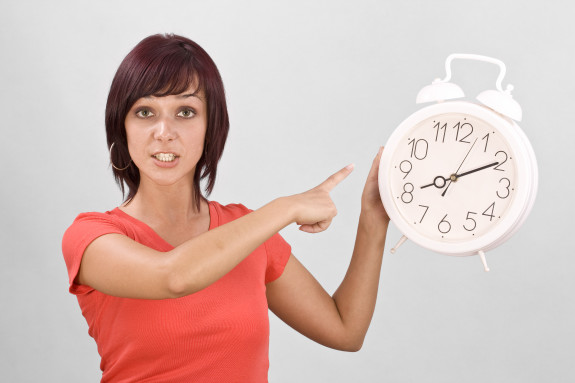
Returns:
(173,204)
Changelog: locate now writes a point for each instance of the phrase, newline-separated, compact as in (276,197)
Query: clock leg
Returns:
(483,260)
(399,243)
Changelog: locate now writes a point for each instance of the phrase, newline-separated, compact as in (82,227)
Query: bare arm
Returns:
(119,266)
(341,321)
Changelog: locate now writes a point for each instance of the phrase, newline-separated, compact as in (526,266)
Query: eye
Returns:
(186,113)
(144,113)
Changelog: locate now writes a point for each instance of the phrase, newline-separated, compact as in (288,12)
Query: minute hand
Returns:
(476,170)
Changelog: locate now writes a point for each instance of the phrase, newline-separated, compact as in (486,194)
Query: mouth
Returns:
(165,157)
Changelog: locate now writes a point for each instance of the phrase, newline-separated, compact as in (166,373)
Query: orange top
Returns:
(219,334)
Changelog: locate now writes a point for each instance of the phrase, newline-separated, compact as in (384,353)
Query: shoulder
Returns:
(90,225)
(230,212)
(86,228)
(95,220)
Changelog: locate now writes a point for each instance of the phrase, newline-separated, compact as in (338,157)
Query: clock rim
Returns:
(534,186)
(515,213)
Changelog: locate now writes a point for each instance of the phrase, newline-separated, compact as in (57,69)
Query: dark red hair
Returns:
(162,65)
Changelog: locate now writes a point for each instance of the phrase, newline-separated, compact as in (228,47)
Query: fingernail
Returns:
(350,166)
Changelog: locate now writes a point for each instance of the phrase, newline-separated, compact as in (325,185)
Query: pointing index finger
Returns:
(336,178)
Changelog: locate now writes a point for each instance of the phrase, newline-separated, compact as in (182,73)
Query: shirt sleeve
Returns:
(85,229)
(277,249)
(278,253)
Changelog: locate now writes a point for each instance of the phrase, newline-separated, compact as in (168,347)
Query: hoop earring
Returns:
(112,162)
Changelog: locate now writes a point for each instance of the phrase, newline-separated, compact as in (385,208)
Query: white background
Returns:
(312,86)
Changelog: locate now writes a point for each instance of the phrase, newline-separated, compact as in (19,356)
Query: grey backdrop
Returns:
(312,86)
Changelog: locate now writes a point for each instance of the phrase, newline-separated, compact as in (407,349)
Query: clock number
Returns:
(472,220)
(424,213)
(506,188)
(459,127)
(403,170)
(489,211)
(407,193)
(438,127)
(418,149)
(486,138)
(504,161)
(444,222)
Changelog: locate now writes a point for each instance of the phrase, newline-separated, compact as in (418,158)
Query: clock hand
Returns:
(440,181)
(451,178)
(476,170)
(434,183)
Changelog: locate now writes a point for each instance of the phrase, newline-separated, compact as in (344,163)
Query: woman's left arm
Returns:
(339,321)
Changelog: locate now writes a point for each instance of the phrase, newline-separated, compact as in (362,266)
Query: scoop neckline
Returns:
(211,211)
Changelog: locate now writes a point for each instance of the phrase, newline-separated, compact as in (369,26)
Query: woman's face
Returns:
(166,136)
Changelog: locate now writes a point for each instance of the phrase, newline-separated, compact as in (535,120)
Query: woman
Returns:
(176,288)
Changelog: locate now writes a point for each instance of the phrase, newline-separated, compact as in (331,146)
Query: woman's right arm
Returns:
(117,265)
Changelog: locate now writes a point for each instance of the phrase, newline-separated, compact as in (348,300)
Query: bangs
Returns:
(170,75)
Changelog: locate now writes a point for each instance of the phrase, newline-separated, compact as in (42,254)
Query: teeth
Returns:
(165,157)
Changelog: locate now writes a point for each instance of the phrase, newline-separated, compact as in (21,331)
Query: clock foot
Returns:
(483,260)
(399,243)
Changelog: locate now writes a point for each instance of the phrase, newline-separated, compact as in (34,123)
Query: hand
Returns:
(371,199)
(314,209)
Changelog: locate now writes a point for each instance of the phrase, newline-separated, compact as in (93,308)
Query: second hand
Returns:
(450,180)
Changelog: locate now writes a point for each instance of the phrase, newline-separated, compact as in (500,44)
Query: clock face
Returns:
(452,177)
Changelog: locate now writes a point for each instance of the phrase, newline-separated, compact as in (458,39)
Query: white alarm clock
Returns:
(457,177)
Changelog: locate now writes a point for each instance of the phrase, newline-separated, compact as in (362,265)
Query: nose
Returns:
(164,131)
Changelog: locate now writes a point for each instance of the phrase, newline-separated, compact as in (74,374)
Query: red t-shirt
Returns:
(219,334)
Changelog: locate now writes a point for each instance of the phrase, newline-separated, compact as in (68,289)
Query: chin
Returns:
(165,180)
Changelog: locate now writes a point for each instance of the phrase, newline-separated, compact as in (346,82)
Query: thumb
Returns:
(375,165)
